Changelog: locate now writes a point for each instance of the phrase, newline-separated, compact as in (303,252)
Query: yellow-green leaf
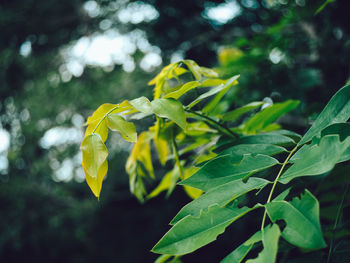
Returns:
(126,129)
(100,112)
(185,88)
(94,162)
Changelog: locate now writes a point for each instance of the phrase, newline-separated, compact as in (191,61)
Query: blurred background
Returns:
(61,59)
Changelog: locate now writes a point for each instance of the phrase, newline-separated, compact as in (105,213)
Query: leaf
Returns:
(270,239)
(212,82)
(234,115)
(220,195)
(337,110)
(192,233)
(142,104)
(213,91)
(100,112)
(317,158)
(185,88)
(94,162)
(213,103)
(238,254)
(303,227)
(126,129)
(193,193)
(171,109)
(268,115)
(101,129)
(208,72)
(226,168)
(266,149)
(194,68)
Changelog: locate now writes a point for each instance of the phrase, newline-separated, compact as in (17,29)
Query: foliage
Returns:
(220,157)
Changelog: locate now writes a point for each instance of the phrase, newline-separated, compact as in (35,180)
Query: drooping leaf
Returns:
(184,89)
(101,129)
(194,68)
(270,239)
(226,168)
(303,227)
(220,195)
(94,161)
(235,114)
(126,129)
(192,233)
(171,109)
(316,158)
(337,110)
(268,115)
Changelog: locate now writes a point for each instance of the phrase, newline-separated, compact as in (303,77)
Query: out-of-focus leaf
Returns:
(171,109)
(185,88)
(337,110)
(226,168)
(94,162)
(238,254)
(234,115)
(270,242)
(208,72)
(303,227)
(126,129)
(316,158)
(268,115)
(220,195)
(192,233)
(167,183)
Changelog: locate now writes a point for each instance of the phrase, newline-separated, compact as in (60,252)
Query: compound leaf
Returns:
(126,129)
(171,109)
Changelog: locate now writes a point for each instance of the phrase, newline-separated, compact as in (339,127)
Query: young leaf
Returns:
(192,233)
(100,112)
(171,109)
(337,110)
(303,227)
(237,113)
(101,129)
(185,88)
(194,68)
(220,195)
(268,115)
(317,158)
(270,239)
(126,129)
(226,168)
(94,162)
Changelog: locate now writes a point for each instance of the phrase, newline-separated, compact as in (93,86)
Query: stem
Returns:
(336,223)
(176,154)
(275,183)
(98,124)
(223,129)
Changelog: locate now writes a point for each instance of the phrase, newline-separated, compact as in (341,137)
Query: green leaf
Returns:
(237,255)
(266,149)
(268,115)
(126,129)
(237,113)
(337,110)
(167,183)
(220,195)
(94,162)
(212,104)
(226,168)
(316,158)
(192,233)
(270,239)
(194,68)
(142,104)
(171,109)
(185,88)
(303,227)
(213,91)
